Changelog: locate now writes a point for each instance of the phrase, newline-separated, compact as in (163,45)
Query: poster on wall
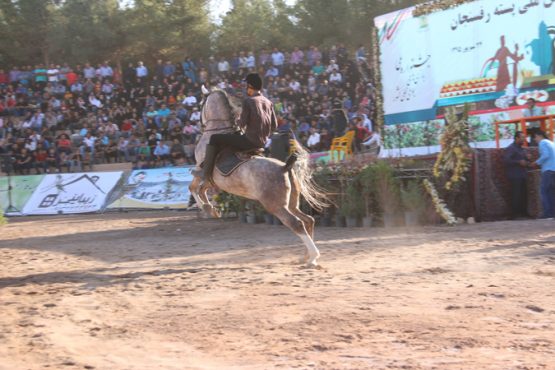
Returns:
(491,55)
(72,193)
(22,187)
(156,188)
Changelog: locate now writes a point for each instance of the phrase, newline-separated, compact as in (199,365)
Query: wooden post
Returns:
(523,129)
(497,134)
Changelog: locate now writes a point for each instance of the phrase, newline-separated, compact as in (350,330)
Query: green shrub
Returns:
(412,196)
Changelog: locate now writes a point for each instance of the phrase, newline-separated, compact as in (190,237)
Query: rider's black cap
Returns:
(254,80)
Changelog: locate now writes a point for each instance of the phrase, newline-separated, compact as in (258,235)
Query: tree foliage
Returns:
(75,31)
(84,30)
(255,24)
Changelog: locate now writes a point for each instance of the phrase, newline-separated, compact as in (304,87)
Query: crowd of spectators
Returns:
(60,117)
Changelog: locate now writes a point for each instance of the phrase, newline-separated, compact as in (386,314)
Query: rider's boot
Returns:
(209,161)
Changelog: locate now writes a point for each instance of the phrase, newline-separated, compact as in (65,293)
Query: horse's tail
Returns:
(298,164)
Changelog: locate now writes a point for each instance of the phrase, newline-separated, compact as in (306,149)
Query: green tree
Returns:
(76,31)
(26,27)
(322,21)
(91,31)
(168,29)
(256,24)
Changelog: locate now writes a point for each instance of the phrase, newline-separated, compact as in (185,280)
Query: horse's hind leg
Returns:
(294,203)
(297,226)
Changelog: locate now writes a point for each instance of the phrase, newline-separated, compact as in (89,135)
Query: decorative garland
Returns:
(436,6)
(378,97)
(455,157)
(439,204)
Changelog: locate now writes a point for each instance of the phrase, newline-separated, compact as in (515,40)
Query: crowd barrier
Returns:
(70,193)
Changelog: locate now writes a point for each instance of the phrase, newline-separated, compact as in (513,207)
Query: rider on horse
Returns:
(258,121)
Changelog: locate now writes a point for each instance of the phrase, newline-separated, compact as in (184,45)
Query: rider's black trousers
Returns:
(236,141)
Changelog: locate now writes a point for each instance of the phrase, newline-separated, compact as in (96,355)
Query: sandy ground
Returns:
(157,290)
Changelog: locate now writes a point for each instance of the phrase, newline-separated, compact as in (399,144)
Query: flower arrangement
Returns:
(439,204)
(455,158)
(227,203)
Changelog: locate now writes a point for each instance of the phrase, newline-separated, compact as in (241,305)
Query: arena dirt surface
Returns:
(164,290)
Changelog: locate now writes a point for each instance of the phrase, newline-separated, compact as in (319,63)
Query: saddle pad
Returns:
(228,162)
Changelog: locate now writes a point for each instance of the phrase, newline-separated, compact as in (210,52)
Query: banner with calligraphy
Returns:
(492,55)
(72,193)
(22,187)
(156,188)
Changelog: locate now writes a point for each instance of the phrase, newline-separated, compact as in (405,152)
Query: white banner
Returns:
(71,193)
(156,188)
(482,51)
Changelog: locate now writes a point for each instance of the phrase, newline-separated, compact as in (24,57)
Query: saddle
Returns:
(228,160)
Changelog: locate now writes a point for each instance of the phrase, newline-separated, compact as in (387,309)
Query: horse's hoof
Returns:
(313,266)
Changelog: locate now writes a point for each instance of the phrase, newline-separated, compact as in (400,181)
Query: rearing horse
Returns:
(269,181)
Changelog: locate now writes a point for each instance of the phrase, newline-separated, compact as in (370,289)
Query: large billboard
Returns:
(15,191)
(492,55)
(156,188)
(71,193)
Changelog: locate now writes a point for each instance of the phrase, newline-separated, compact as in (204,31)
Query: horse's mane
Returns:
(227,102)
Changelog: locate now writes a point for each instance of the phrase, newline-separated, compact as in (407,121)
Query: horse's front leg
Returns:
(199,190)
(194,188)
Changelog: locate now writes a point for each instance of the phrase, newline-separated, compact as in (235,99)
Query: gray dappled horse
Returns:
(263,179)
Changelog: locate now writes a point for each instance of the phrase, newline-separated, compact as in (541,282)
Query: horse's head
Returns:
(219,109)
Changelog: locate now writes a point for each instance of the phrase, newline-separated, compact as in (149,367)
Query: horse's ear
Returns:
(204,90)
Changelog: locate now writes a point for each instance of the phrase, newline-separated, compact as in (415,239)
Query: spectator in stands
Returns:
(88,145)
(23,162)
(280,143)
(313,141)
(132,147)
(190,101)
(111,151)
(76,101)
(318,68)
(143,155)
(161,153)
(177,154)
(251,61)
(51,162)
(223,67)
(373,143)
(40,159)
(297,57)
(141,71)
(64,144)
(360,134)
(277,60)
